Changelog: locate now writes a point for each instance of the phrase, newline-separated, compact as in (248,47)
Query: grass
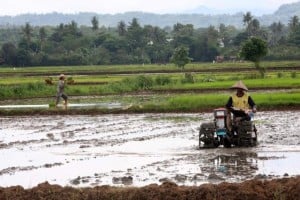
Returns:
(165,92)
(206,102)
(29,88)
(142,68)
(169,103)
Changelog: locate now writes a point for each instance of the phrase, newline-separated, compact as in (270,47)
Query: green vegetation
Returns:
(73,45)
(181,57)
(29,87)
(254,50)
(184,91)
(132,69)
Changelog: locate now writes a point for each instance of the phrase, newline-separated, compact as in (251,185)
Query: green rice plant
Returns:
(234,78)
(197,102)
(26,90)
(200,102)
(120,87)
(251,76)
(209,78)
(77,91)
(51,104)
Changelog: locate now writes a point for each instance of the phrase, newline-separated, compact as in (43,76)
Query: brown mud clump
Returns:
(285,188)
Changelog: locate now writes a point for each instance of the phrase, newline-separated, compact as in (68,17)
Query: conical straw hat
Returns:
(239,85)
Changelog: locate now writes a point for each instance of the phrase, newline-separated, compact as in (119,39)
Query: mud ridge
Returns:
(285,188)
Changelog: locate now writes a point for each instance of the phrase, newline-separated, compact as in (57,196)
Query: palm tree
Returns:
(277,32)
(95,23)
(42,35)
(253,27)
(27,31)
(294,22)
(247,18)
(122,28)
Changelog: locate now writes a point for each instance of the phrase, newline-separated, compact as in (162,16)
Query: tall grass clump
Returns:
(280,75)
(162,80)
(188,78)
(26,90)
(293,75)
(129,85)
(143,82)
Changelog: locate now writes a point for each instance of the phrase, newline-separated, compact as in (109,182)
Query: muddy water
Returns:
(138,150)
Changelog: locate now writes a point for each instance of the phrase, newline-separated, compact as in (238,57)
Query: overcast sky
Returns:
(15,7)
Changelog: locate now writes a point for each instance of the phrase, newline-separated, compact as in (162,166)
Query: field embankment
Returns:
(286,188)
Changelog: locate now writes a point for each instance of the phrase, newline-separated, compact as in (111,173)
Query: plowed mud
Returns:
(143,153)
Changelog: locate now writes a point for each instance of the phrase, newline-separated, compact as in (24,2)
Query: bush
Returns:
(294,75)
(280,75)
(162,80)
(70,80)
(188,78)
(49,81)
(144,82)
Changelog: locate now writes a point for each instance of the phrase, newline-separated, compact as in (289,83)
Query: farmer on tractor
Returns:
(239,132)
(240,104)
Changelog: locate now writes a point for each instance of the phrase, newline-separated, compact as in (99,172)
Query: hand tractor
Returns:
(241,133)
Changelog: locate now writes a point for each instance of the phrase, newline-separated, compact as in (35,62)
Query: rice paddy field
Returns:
(131,132)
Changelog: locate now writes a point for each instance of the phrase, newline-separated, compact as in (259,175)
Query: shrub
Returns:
(280,75)
(188,78)
(70,80)
(144,82)
(162,80)
(49,81)
(294,75)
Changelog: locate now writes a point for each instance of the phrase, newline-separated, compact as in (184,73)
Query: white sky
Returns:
(15,7)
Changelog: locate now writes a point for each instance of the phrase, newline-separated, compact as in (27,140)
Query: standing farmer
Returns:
(60,91)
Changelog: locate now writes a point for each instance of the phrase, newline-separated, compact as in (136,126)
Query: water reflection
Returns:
(237,164)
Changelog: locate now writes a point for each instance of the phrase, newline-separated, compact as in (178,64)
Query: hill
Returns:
(283,14)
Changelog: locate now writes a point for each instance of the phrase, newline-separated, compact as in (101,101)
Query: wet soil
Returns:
(140,153)
(286,188)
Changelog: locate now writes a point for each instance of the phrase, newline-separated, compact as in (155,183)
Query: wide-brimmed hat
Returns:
(61,76)
(239,85)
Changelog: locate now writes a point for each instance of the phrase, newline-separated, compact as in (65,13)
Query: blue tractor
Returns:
(240,133)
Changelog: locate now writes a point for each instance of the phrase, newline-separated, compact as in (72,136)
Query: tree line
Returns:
(69,44)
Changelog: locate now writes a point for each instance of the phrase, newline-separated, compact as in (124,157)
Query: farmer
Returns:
(60,91)
(240,101)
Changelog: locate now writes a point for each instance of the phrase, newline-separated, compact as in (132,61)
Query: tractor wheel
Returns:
(227,143)
(206,135)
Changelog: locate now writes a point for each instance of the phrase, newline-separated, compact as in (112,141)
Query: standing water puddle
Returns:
(141,149)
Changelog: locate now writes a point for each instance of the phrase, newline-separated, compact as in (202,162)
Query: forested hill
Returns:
(283,14)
